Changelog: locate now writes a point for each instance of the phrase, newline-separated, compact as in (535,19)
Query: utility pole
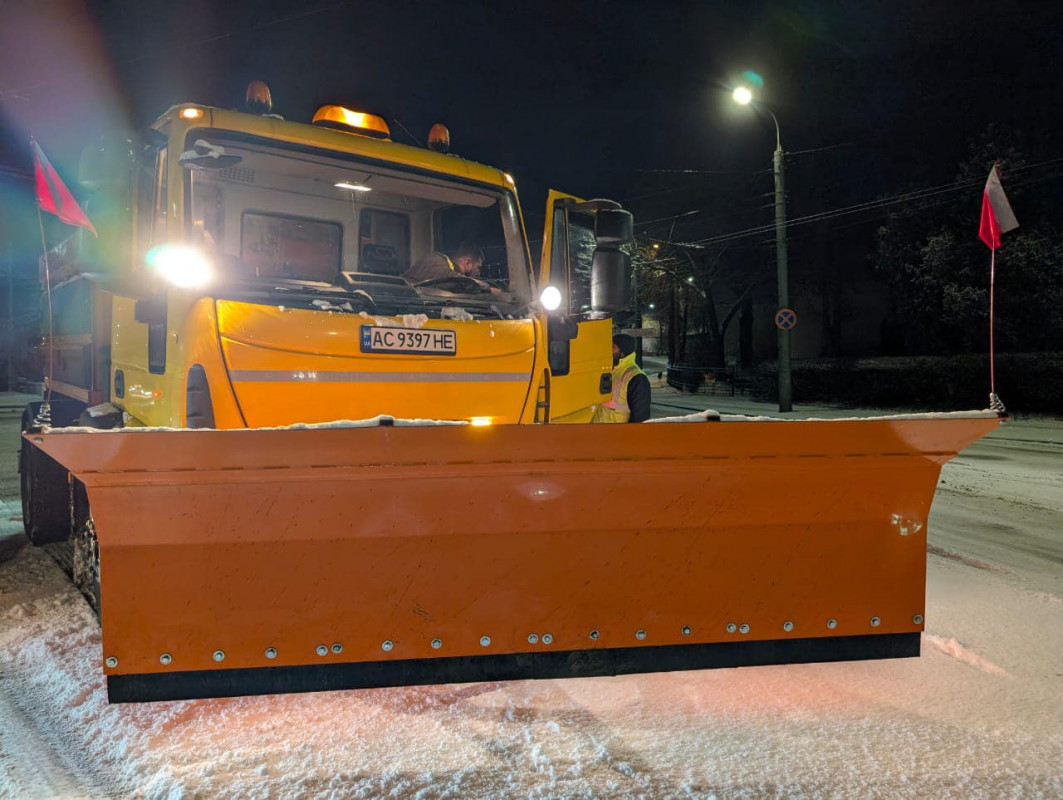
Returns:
(785,379)
(744,96)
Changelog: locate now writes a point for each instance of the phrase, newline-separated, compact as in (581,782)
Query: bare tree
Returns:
(701,292)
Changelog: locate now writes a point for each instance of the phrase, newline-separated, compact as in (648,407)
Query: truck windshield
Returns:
(273,214)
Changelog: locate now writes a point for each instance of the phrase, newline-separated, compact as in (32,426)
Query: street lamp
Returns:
(744,96)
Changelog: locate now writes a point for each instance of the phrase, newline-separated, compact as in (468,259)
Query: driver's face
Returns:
(469,266)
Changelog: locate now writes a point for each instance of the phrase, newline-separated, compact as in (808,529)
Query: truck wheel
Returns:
(87,564)
(45,492)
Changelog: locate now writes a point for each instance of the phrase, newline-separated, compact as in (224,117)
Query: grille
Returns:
(238,175)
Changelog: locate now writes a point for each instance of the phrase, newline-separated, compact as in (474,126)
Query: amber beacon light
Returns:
(257,99)
(350,121)
(439,138)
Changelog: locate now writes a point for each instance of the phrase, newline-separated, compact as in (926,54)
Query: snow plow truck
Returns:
(285,466)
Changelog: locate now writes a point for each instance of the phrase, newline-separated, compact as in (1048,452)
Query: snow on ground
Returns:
(979,715)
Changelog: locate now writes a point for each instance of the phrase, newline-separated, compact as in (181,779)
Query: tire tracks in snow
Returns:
(941,552)
(31,766)
(954,649)
(542,727)
(43,753)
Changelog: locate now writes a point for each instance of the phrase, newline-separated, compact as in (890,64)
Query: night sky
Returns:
(587,97)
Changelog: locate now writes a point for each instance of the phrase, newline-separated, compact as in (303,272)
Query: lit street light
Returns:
(744,96)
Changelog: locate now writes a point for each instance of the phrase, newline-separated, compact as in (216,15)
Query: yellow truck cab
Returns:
(255,272)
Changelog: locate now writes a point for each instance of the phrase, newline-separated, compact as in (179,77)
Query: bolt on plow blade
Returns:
(268,561)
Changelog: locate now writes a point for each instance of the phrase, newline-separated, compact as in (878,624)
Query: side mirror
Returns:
(150,311)
(560,331)
(610,281)
(611,266)
(560,328)
(613,227)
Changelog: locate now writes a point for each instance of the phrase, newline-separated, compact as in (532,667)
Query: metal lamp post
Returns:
(744,96)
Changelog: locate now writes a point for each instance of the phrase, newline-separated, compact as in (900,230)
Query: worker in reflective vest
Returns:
(437,266)
(631,388)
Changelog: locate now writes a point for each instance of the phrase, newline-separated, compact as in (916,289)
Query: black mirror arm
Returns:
(560,328)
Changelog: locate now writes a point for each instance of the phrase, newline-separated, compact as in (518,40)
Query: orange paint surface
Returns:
(245,540)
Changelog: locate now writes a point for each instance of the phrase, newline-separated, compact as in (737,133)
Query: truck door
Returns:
(580,345)
(139,327)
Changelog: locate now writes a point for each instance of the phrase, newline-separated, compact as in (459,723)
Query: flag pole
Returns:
(997,218)
(44,416)
(995,403)
(992,365)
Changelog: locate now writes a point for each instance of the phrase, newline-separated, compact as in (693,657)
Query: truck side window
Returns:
(572,250)
(158,228)
(581,244)
(151,229)
(558,247)
(151,200)
(145,215)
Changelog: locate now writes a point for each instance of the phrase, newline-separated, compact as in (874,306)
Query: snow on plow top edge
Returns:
(385,420)
(715,416)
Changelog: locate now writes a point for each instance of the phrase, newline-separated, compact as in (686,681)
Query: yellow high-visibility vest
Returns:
(616,408)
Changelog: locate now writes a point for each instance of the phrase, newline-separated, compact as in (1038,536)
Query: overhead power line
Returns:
(944,187)
(870,205)
(820,149)
(706,171)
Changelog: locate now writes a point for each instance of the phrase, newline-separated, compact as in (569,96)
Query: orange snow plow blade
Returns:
(268,561)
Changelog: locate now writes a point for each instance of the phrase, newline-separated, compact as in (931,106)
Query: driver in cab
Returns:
(435,266)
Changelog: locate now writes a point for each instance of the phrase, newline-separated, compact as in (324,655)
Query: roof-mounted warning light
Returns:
(257,100)
(349,121)
(439,138)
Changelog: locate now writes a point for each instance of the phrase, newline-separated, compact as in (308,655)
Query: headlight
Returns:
(183,266)
(550,298)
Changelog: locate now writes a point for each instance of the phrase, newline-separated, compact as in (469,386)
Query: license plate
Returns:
(432,341)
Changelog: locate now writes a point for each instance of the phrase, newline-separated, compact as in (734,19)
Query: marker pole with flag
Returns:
(997,218)
(55,198)
(52,194)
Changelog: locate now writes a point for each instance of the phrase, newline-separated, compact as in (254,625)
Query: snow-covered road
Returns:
(980,714)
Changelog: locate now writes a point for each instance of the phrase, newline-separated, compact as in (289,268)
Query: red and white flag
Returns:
(52,194)
(997,216)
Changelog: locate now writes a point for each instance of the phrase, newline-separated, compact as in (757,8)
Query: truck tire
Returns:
(45,493)
(86,571)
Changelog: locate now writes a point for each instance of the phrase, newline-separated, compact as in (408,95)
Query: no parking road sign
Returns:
(785,319)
